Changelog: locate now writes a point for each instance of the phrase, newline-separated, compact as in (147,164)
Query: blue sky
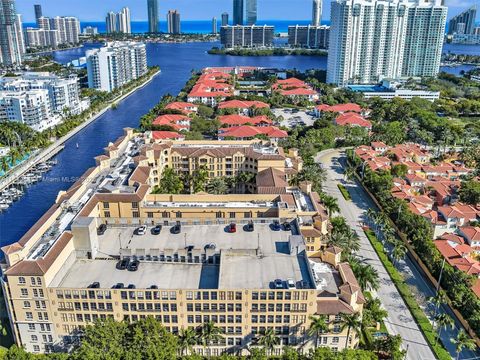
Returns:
(91,10)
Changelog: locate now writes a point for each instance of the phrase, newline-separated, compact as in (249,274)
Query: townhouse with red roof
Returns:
(353,119)
(234,120)
(167,135)
(295,88)
(211,88)
(246,132)
(185,107)
(341,109)
(176,121)
(243,106)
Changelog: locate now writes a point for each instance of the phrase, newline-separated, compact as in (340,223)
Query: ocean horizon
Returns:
(191,26)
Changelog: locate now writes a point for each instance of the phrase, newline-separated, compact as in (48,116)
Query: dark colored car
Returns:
(250,227)
(122,264)
(177,229)
(131,286)
(276,225)
(232,228)
(119,286)
(94,285)
(287,226)
(156,230)
(154,287)
(133,266)
(101,229)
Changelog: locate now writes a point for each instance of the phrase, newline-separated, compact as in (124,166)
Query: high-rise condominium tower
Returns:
(463,23)
(214,26)
(374,39)
(317,12)
(237,12)
(119,22)
(10,39)
(251,12)
(224,19)
(152,16)
(38,12)
(173,21)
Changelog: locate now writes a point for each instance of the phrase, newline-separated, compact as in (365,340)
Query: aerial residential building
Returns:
(317,12)
(115,65)
(313,37)
(29,107)
(424,39)
(464,23)
(38,12)
(389,89)
(214,26)
(41,38)
(173,22)
(10,37)
(225,19)
(67,26)
(385,39)
(43,22)
(152,7)
(119,22)
(238,12)
(90,30)
(39,100)
(20,35)
(247,36)
(195,271)
(251,12)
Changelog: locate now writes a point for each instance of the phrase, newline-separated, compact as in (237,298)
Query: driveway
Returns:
(400,320)
(294,119)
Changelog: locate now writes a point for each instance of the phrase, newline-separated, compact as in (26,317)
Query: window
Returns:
(335,340)
(31,327)
(23,292)
(32,281)
(36,348)
(29,315)
(134,205)
(107,214)
(26,304)
(106,205)
(21,280)
(135,214)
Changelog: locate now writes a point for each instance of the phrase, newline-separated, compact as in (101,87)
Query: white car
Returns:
(142,230)
(291,284)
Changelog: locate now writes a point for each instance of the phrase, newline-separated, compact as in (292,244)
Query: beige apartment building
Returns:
(64,272)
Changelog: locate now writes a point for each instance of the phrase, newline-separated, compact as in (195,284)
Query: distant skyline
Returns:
(206,9)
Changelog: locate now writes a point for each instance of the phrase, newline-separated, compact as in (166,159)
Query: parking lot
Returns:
(293,118)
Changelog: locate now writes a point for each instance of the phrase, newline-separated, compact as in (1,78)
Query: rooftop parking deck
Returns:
(240,260)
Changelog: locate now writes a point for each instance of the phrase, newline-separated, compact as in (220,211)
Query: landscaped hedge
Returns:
(408,297)
(344,192)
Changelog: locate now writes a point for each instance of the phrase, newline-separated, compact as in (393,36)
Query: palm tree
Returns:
(442,321)
(208,333)
(349,173)
(438,300)
(318,326)
(348,240)
(217,186)
(371,215)
(367,276)
(187,339)
(268,340)
(331,204)
(463,341)
(374,312)
(4,164)
(352,322)
(398,252)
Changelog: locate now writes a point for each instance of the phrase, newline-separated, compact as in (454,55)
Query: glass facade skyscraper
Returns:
(10,47)
(238,12)
(316,12)
(251,12)
(463,23)
(152,16)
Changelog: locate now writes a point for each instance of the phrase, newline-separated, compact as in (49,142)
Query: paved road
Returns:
(400,320)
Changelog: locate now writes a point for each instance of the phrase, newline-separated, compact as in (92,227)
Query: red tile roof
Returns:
(238,120)
(176,121)
(342,108)
(240,104)
(352,119)
(185,107)
(251,131)
(164,135)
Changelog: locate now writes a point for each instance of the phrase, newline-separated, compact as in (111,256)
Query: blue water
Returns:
(73,162)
